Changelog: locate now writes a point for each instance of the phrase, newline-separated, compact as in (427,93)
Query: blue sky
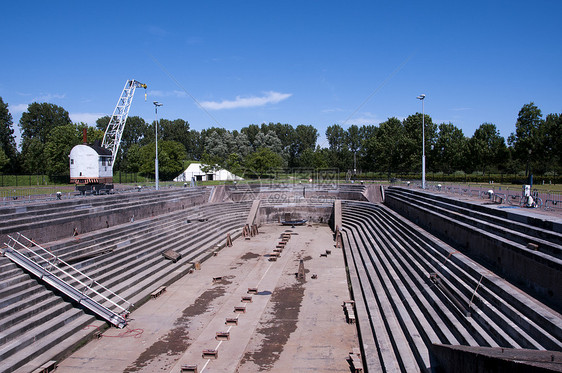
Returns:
(296,62)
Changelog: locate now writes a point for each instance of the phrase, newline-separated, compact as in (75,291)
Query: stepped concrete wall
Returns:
(539,275)
(89,217)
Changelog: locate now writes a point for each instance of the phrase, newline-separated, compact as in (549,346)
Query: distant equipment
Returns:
(91,165)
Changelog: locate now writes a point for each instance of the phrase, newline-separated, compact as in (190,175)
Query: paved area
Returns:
(290,325)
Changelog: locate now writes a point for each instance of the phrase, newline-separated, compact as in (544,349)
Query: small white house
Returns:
(194,171)
(90,164)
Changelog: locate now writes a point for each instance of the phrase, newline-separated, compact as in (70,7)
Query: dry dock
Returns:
(287,324)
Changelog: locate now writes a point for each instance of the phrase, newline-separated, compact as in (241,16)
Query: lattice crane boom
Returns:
(114,131)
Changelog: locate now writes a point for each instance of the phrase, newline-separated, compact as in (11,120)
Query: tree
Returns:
(60,141)
(315,158)
(487,147)
(551,139)
(353,141)
(305,139)
(451,149)
(36,124)
(526,141)
(197,145)
(340,157)
(251,132)
(171,155)
(385,148)
(285,132)
(219,145)
(269,141)
(263,161)
(413,141)
(176,130)
(4,160)
(365,160)
(7,139)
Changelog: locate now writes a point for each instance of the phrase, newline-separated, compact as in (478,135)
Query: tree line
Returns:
(48,135)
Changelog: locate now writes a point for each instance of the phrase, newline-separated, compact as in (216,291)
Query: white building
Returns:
(194,171)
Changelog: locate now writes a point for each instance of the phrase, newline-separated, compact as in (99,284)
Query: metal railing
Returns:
(545,200)
(57,272)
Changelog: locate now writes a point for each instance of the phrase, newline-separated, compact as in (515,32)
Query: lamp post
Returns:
(156,176)
(421,98)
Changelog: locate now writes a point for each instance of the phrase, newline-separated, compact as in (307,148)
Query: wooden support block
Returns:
(222,336)
(231,321)
(189,368)
(272,259)
(210,354)
(247,299)
(158,291)
(172,255)
(277,250)
(240,309)
(324,255)
(355,361)
(252,290)
(217,279)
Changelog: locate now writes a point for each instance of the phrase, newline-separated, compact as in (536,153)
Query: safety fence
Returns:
(502,195)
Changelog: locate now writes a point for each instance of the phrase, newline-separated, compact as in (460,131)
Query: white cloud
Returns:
(48,97)
(45,97)
(16,109)
(89,118)
(245,102)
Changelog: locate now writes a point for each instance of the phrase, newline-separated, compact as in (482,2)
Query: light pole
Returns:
(421,98)
(156,104)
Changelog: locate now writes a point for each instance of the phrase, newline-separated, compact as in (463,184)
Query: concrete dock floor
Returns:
(290,325)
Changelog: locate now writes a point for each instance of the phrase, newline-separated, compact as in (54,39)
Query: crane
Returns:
(91,165)
(114,131)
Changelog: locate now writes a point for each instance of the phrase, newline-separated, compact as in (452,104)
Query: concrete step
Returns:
(137,281)
(539,227)
(536,272)
(510,230)
(494,296)
(393,258)
(45,312)
(62,337)
(418,268)
(20,311)
(32,335)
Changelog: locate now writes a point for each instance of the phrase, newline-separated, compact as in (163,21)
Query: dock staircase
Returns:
(65,278)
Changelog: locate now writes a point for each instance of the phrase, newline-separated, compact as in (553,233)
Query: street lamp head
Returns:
(421,97)
(156,103)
